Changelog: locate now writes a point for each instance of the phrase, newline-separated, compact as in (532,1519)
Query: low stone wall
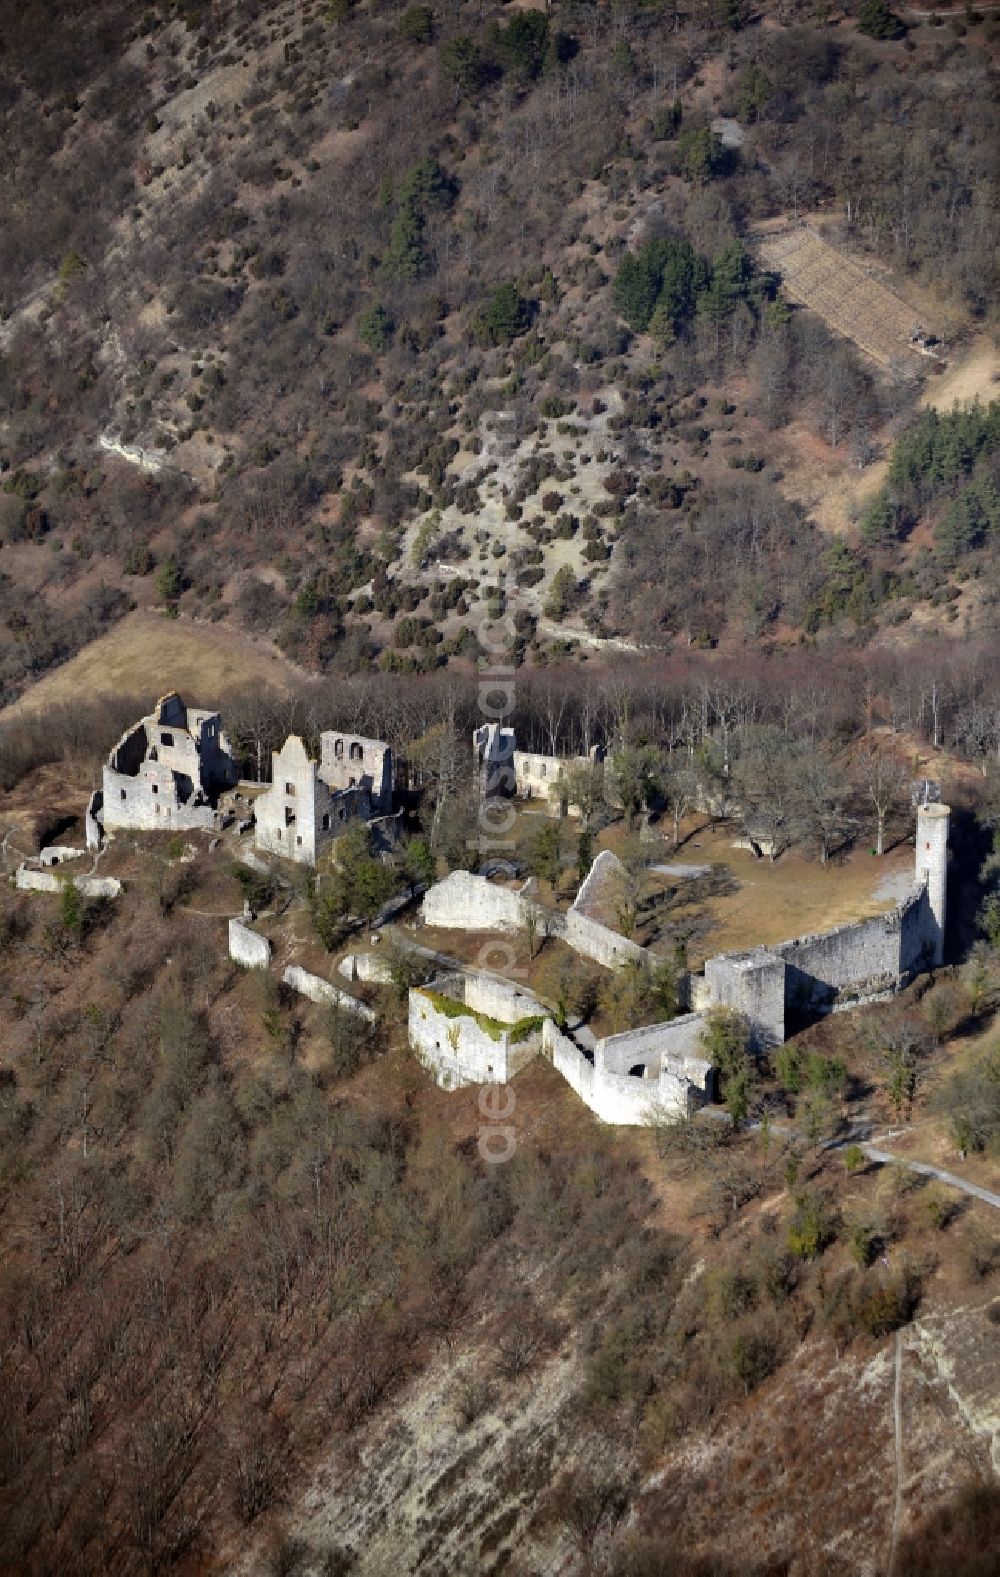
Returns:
(37,881)
(466,902)
(372,968)
(248,947)
(319,990)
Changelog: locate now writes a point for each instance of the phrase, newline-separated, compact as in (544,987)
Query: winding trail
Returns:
(974,1189)
(873,1153)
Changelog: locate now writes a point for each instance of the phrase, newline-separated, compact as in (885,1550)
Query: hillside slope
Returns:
(315,319)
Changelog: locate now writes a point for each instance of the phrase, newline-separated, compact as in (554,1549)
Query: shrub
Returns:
(854,1159)
(878,21)
(416,24)
(812,1227)
(505,316)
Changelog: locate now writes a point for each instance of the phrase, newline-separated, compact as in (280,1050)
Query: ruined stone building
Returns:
(528,773)
(641,1074)
(349,761)
(309,803)
(167,771)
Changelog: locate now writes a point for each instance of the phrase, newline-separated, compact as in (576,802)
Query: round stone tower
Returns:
(932,869)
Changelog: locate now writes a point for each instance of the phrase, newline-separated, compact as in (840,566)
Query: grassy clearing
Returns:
(793,897)
(148,653)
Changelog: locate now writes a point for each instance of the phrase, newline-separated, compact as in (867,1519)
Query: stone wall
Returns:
(248,947)
(606,874)
(93,820)
(676,1040)
(864,954)
(465,902)
(615,1097)
(458,1050)
(298,816)
(567,1059)
(372,968)
(352,761)
(753,984)
(588,935)
(598,941)
(861,961)
(933,822)
(28,879)
(58,854)
(319,990)
(499,999)
(918,934)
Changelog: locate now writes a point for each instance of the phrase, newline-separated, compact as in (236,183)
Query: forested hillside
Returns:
(391,300)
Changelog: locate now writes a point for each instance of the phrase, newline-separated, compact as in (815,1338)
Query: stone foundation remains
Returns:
(33,880)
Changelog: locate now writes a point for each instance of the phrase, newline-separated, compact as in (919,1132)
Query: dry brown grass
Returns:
(149,653)
(793,897)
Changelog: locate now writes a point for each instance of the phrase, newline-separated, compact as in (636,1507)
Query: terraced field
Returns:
(849,299)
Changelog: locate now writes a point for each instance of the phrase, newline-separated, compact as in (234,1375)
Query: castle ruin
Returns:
(642,1075)
(167,771)
(170,771)
(505,770)
(300,814)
